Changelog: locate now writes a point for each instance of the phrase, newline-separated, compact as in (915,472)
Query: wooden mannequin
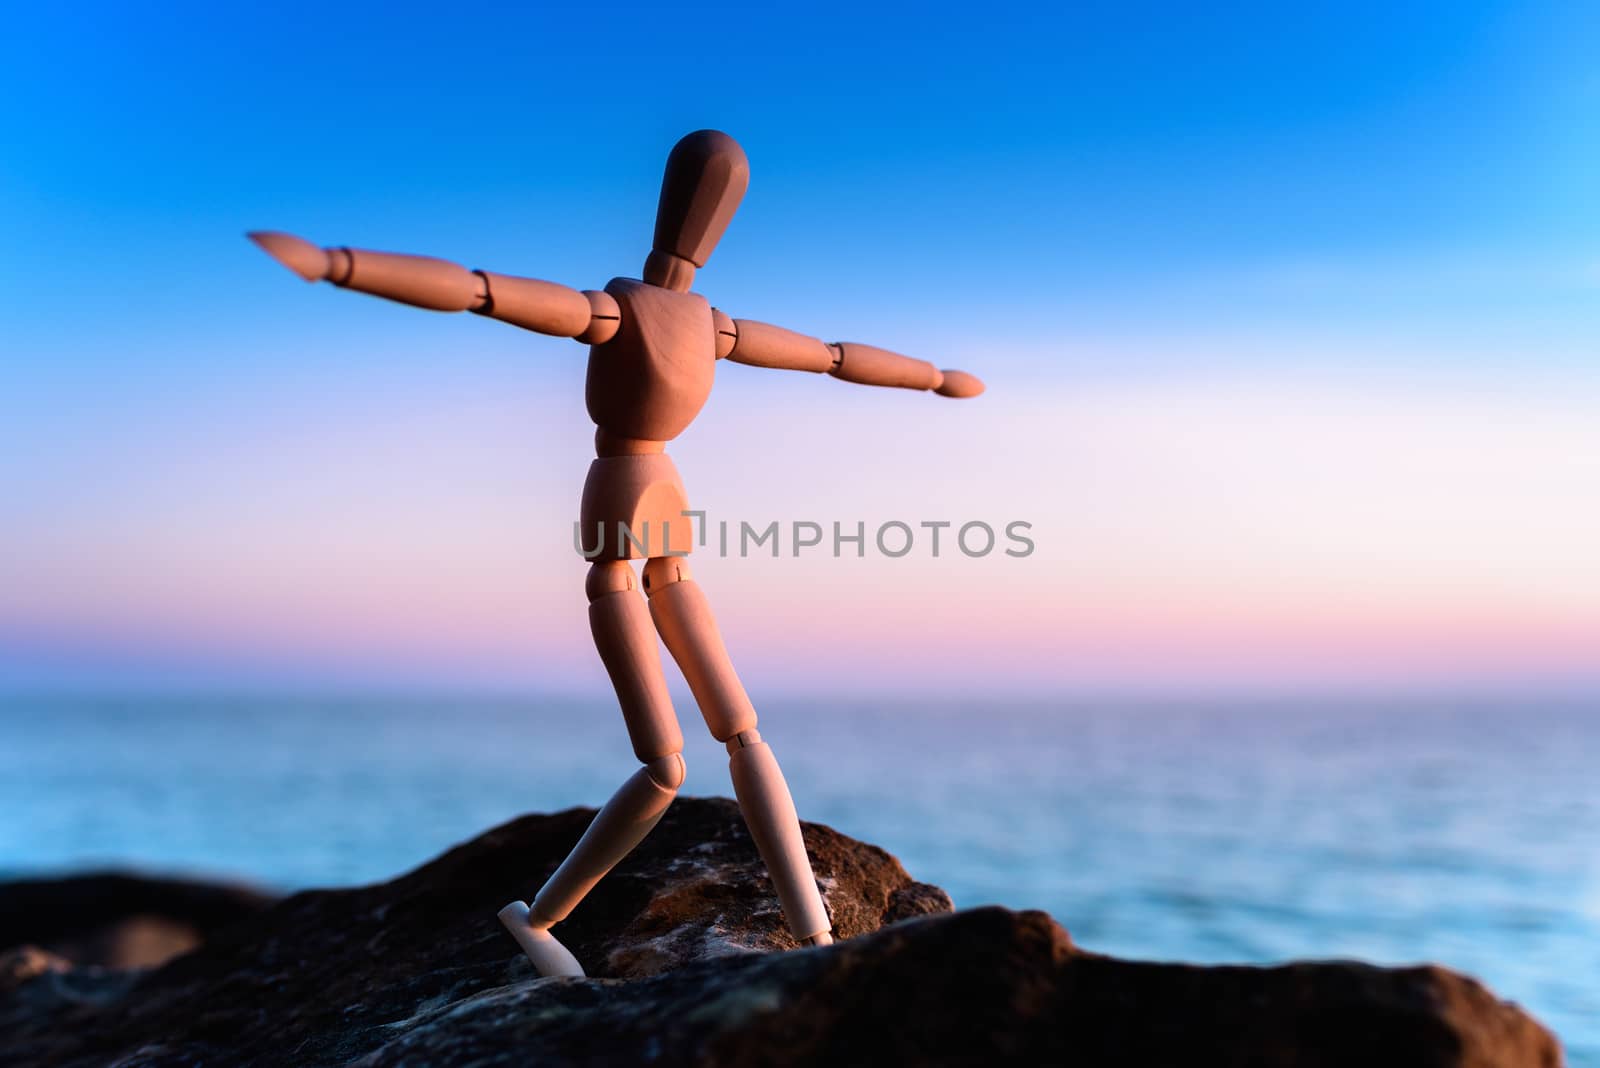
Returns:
(654,346)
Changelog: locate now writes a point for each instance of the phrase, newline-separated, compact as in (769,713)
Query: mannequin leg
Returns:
(684,618)
(623,634)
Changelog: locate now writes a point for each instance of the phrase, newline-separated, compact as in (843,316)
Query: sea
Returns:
(1464,832)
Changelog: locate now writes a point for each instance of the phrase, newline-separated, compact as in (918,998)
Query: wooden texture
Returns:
(626,641)
(727,333)
(872,366)
(609,444)
(549,956)
(959,384)
(683,617)
(769,812)
(668,271)
(653,377)
(642,492)
(299,255)
(616,829)
(421,281)
(544,307)
(706,176)
(765,345)
(605,317)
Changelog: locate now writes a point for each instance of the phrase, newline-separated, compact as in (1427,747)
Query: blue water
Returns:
(1464,833)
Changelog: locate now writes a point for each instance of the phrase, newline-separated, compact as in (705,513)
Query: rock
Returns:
(120,920)
(417,971)
(21,963)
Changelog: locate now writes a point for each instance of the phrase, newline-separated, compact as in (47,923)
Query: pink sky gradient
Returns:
(1260,531)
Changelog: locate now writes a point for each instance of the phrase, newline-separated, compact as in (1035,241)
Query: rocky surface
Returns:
(678,941)
(113,919)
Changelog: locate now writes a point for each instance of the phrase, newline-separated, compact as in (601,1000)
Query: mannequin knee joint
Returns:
(662,571)
(608,576)
(667,772)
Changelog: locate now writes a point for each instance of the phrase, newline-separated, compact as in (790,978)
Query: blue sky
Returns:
(1363,169)
(1399,200)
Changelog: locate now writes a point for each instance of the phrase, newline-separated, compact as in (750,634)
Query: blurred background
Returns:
(1289,323)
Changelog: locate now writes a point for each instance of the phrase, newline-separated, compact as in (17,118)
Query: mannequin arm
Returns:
(763,345)
(440,285)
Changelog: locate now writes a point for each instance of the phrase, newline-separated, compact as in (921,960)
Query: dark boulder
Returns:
(115,919)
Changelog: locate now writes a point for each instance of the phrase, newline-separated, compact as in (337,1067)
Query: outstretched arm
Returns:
(764,345)
(424,282)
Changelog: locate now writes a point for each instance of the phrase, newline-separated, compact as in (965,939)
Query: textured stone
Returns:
(120,920)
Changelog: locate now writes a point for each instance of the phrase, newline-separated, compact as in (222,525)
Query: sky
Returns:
(1288,317)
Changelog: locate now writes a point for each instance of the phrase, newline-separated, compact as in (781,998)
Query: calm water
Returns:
(1463,833)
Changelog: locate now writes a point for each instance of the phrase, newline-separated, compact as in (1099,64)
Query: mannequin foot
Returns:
(549,956)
